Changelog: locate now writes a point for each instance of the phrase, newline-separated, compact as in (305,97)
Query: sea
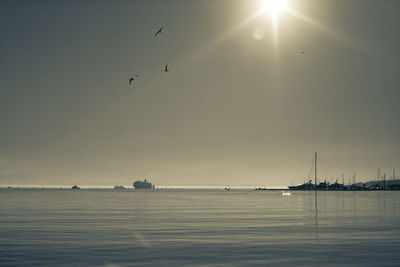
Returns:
(198,227)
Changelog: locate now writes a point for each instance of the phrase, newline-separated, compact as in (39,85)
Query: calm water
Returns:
(198,227)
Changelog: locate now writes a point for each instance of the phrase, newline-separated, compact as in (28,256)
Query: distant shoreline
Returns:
(110,188)
(131,188)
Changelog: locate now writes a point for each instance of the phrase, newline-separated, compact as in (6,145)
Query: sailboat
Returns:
(309,185)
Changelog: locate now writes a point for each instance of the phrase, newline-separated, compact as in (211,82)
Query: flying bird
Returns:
(166,68)
(302,52)
(132,78)
(159,31)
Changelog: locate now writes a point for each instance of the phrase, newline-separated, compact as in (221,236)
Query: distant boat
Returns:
(76,187)
(305,186)
(143,184)
(309,185)
(119,187)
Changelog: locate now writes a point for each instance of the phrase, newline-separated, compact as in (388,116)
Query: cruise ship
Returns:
(143,184)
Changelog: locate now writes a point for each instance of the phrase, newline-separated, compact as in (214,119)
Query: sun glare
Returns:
(274,7)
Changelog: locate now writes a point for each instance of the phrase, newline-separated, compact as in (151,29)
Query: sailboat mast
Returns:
(394,174)
(315,160)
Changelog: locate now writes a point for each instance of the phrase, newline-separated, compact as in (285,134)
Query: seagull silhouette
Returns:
(159,31)
(166,68)
(132,78)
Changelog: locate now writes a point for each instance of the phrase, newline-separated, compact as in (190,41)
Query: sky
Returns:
(248,99)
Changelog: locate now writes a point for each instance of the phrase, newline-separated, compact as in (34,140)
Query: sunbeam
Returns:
(329,31)
(275,8)
(225,36)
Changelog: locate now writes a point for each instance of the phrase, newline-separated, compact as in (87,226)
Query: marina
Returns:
(373,185)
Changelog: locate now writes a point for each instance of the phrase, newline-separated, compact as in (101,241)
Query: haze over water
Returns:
(198,227)
(247,94)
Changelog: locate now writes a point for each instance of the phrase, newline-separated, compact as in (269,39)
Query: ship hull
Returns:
(142,185)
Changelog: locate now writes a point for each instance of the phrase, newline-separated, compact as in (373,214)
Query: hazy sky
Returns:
(241,105)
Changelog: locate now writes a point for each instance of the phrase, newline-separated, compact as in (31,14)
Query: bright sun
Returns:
(274,7)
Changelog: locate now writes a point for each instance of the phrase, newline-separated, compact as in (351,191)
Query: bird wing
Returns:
(159,31)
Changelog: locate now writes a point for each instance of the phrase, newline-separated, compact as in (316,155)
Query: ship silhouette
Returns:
(143,184)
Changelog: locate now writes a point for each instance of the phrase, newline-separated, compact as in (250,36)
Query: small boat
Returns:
(309,185)
(119,187)
(261,189)
(76,187)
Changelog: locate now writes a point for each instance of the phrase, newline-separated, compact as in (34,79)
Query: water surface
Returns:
(198,227)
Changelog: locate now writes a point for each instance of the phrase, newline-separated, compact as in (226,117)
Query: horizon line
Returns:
(35,186)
